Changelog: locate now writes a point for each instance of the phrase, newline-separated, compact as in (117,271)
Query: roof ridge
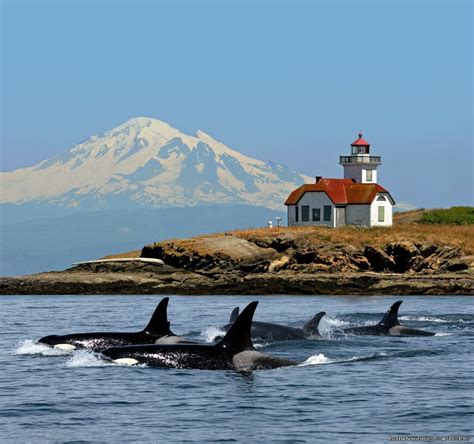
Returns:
(339,191)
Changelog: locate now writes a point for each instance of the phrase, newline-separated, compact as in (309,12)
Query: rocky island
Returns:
(408,258)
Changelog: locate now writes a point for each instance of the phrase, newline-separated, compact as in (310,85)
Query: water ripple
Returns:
(346,388)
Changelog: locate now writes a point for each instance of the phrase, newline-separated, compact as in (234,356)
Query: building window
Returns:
(296,213)
(368,175)
(381,214)
(305,213)
(316,214)
(327,213)
(381,198)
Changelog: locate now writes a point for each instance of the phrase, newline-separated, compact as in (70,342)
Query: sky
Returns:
(287,81)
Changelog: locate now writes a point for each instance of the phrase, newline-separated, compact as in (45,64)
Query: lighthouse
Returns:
(355,200)
(360,166)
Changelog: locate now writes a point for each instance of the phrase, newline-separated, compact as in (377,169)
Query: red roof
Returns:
(360,141)
(340,191)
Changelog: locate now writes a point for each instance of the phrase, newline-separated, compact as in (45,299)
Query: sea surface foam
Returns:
(425,319)
(209,334)
(86,358)
(29,347)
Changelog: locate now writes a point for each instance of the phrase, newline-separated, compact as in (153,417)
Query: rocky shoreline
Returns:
(262,263)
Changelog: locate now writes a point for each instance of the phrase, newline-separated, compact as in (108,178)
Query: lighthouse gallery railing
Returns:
(360,159)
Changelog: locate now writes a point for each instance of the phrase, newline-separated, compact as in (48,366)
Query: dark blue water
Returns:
(351,389)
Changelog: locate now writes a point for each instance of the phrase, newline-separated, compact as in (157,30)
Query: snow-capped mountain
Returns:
(148,163)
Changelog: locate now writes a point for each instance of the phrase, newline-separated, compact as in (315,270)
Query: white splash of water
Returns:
(360,358)
(328,326)
(315,360)
(443,334)
(363,357)
(334,322)
(321,359)
(209,334)
(29,347)
(86,358)
(261,344)
(425,319)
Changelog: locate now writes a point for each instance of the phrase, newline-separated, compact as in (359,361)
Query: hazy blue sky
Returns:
(287,81)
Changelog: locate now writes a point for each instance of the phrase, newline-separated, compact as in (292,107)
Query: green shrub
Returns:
(449,216)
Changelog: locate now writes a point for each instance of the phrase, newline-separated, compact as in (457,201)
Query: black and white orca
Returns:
(267,331)
(388,326)
(234,351)
(157,331)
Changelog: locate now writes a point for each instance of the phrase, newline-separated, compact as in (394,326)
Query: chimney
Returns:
(318,178)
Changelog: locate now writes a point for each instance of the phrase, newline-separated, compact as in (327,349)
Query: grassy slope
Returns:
(408,226)
(460,236)
(128,254)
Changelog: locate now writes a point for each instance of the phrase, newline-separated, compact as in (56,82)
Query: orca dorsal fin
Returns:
(159,325)
(234,315)
(390,318)
(238,337)
(312,325)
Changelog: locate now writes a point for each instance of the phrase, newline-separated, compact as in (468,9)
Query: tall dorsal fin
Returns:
(234,315)
(238,336)
(312,325)
(159,325)
(390,318)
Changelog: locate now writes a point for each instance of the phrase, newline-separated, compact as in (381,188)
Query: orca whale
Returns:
(267,331)
(388,326)
(157,331)
(234,352)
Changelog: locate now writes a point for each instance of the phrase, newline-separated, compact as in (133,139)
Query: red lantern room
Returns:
(360,166)
(360,146)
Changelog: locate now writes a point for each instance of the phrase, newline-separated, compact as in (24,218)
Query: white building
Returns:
(355,200)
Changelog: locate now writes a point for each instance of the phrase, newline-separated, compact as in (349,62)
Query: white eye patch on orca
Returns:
(65,346)
(126,361)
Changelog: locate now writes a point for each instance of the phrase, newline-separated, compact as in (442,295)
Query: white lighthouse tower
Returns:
(360,165)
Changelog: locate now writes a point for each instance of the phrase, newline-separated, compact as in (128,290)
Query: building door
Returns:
(340,216)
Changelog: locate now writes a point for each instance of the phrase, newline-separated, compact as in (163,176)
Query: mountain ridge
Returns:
(145,162)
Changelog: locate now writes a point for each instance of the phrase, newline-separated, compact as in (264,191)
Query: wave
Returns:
(334,322)
(29,347)
(364,357)
(322,359)
(452,319)
(86,358)
(315,360)
(335,325)
(209,334)
(261,344)
(425,319)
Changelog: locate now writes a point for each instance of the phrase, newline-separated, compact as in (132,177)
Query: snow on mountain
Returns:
(148,163)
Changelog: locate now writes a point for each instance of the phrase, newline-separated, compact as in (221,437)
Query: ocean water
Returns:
(347,388)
